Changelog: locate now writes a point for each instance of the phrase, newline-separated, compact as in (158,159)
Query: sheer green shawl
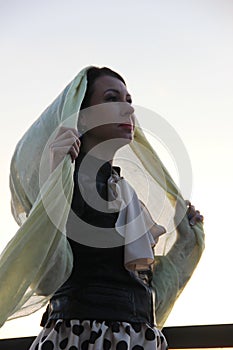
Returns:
(39,259)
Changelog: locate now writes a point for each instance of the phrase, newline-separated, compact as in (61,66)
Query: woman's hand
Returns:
(185,228)
(66,142)
(189,244)
(194,215)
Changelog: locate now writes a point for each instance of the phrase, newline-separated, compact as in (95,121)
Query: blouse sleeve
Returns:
(173,270)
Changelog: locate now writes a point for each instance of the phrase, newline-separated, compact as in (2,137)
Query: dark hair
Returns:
(94,73)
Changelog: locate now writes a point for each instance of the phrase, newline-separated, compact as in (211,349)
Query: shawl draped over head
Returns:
(38,259)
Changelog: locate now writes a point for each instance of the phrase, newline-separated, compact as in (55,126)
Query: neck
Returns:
(99,149)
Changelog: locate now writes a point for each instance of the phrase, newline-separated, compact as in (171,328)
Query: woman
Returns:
(107,301)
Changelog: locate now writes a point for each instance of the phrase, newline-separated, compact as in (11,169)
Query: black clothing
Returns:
(99,288)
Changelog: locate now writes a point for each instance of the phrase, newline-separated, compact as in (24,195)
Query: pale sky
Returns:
(176,57)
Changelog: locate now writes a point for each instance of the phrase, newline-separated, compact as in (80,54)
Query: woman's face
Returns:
(110,114)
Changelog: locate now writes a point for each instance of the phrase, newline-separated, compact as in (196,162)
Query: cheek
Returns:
(102,115)
(105,130)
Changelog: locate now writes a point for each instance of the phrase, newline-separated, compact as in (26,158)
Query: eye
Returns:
(111,98)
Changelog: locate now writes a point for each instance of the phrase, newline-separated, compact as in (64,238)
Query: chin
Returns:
(126,140)
(130,138)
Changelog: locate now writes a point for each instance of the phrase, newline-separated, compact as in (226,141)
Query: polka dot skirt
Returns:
(94,335)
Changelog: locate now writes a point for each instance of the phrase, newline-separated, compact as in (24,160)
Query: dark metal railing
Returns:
(208,336)
(187,337)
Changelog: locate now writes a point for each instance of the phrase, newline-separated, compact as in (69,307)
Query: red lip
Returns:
(126,126)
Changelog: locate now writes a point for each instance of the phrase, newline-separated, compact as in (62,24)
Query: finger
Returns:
(194,213)
(76,148)
(63,129)
(196,218)
(191,211)
(66,142)
(199,218)
(77,145)
(67,133)
(73,153)
(60,148)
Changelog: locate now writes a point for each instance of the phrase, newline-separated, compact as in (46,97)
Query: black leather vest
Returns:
(100,288)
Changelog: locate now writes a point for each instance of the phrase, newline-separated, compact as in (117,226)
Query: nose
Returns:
(126,109)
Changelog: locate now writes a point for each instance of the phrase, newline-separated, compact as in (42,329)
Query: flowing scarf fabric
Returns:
(39,259)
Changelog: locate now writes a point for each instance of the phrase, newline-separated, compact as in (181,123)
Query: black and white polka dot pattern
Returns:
(95,335)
